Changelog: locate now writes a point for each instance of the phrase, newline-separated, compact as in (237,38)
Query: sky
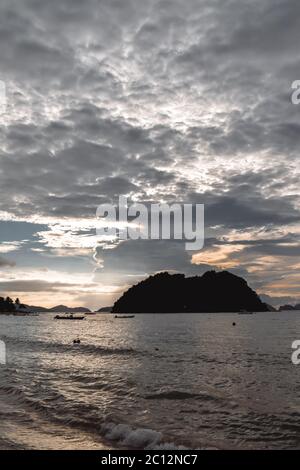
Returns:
(161,101)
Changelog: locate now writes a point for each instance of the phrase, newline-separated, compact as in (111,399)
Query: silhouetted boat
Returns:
(124,316)
(68,317)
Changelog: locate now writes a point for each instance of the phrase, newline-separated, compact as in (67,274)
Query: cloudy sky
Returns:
(159,100)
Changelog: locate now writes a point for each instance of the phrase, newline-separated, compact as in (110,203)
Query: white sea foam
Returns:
(168,446)
(141,438)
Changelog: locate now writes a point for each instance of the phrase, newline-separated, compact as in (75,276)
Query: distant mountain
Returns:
(278,300)
(270,308)
(105,310)
(57,308)
(64,308)
(34,308)
(212,292)
(288,307)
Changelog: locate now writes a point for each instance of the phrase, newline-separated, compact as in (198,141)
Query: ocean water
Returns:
(154,381)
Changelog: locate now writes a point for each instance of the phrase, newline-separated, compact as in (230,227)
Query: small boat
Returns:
(68,317)
(124,316)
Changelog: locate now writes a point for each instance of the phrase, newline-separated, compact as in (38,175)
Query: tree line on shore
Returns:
(8,305)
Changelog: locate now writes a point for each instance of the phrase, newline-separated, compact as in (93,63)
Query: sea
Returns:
(155,381)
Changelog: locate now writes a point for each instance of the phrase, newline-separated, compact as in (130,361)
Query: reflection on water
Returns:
(188,380)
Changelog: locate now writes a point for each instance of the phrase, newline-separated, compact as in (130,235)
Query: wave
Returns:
(137,438)
(56,408)
(178,395)
(36,345)
(59,410)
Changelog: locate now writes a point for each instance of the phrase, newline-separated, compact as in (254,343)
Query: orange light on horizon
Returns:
(219,256)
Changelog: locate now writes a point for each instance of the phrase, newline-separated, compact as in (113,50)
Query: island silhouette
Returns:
(175,293)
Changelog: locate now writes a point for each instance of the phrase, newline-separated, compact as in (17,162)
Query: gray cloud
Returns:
(35,285)
(160,100)
(5,263)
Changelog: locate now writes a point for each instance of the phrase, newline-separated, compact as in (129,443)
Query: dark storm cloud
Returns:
(247,200)
(5,262)
(250,212)
(135,259)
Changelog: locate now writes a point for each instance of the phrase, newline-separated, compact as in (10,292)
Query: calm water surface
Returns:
(155,381)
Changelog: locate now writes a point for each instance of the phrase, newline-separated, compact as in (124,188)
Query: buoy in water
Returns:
(233,324)
(76,341)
